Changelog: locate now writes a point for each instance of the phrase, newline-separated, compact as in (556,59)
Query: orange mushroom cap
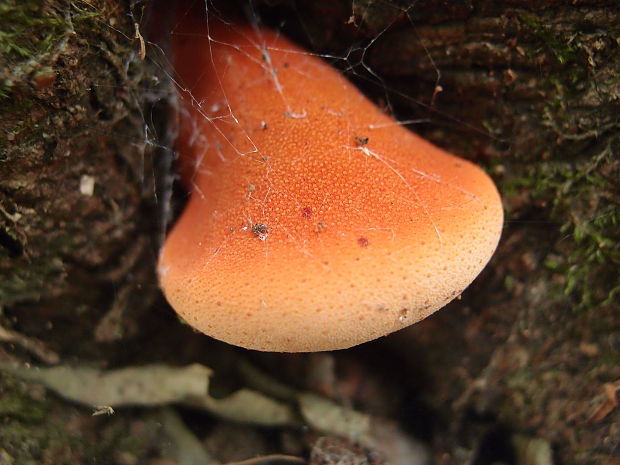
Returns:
(315,221)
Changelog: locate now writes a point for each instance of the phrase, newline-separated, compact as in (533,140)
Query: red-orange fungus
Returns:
(256,110)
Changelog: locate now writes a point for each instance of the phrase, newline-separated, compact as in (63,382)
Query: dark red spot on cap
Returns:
(306,212)
(362,242)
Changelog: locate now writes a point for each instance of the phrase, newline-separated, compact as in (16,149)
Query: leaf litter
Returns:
(160,386)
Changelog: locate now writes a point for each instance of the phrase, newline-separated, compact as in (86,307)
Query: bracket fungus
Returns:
(315,221)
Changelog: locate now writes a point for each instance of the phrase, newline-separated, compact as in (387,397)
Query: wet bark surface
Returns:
(526,364)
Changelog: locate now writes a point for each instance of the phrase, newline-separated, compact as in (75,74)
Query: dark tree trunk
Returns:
(76,181)
(530,357)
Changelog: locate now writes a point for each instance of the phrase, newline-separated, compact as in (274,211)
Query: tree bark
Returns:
(529,358)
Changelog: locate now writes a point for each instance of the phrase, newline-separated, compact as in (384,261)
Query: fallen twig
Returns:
(34,346)
(275,459)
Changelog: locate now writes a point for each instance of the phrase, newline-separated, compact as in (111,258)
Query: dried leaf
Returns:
(247,406)
(330,418)
(153,385)
(532,451)
(145,385)
(182,446)
(609,404)
(34,346)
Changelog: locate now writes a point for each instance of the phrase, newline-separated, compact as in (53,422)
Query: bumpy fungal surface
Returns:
(315,221)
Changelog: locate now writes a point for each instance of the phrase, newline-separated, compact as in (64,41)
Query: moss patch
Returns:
(580,195)
(30,32)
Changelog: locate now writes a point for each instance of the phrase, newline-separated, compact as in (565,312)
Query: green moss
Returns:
(24,33)
(564,46)
(29,32)
(22,408)
(579,195)
(562,49)
(17,402)
(33,430)
(20,413)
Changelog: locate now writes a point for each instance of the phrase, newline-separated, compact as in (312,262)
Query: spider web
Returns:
(354,61)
